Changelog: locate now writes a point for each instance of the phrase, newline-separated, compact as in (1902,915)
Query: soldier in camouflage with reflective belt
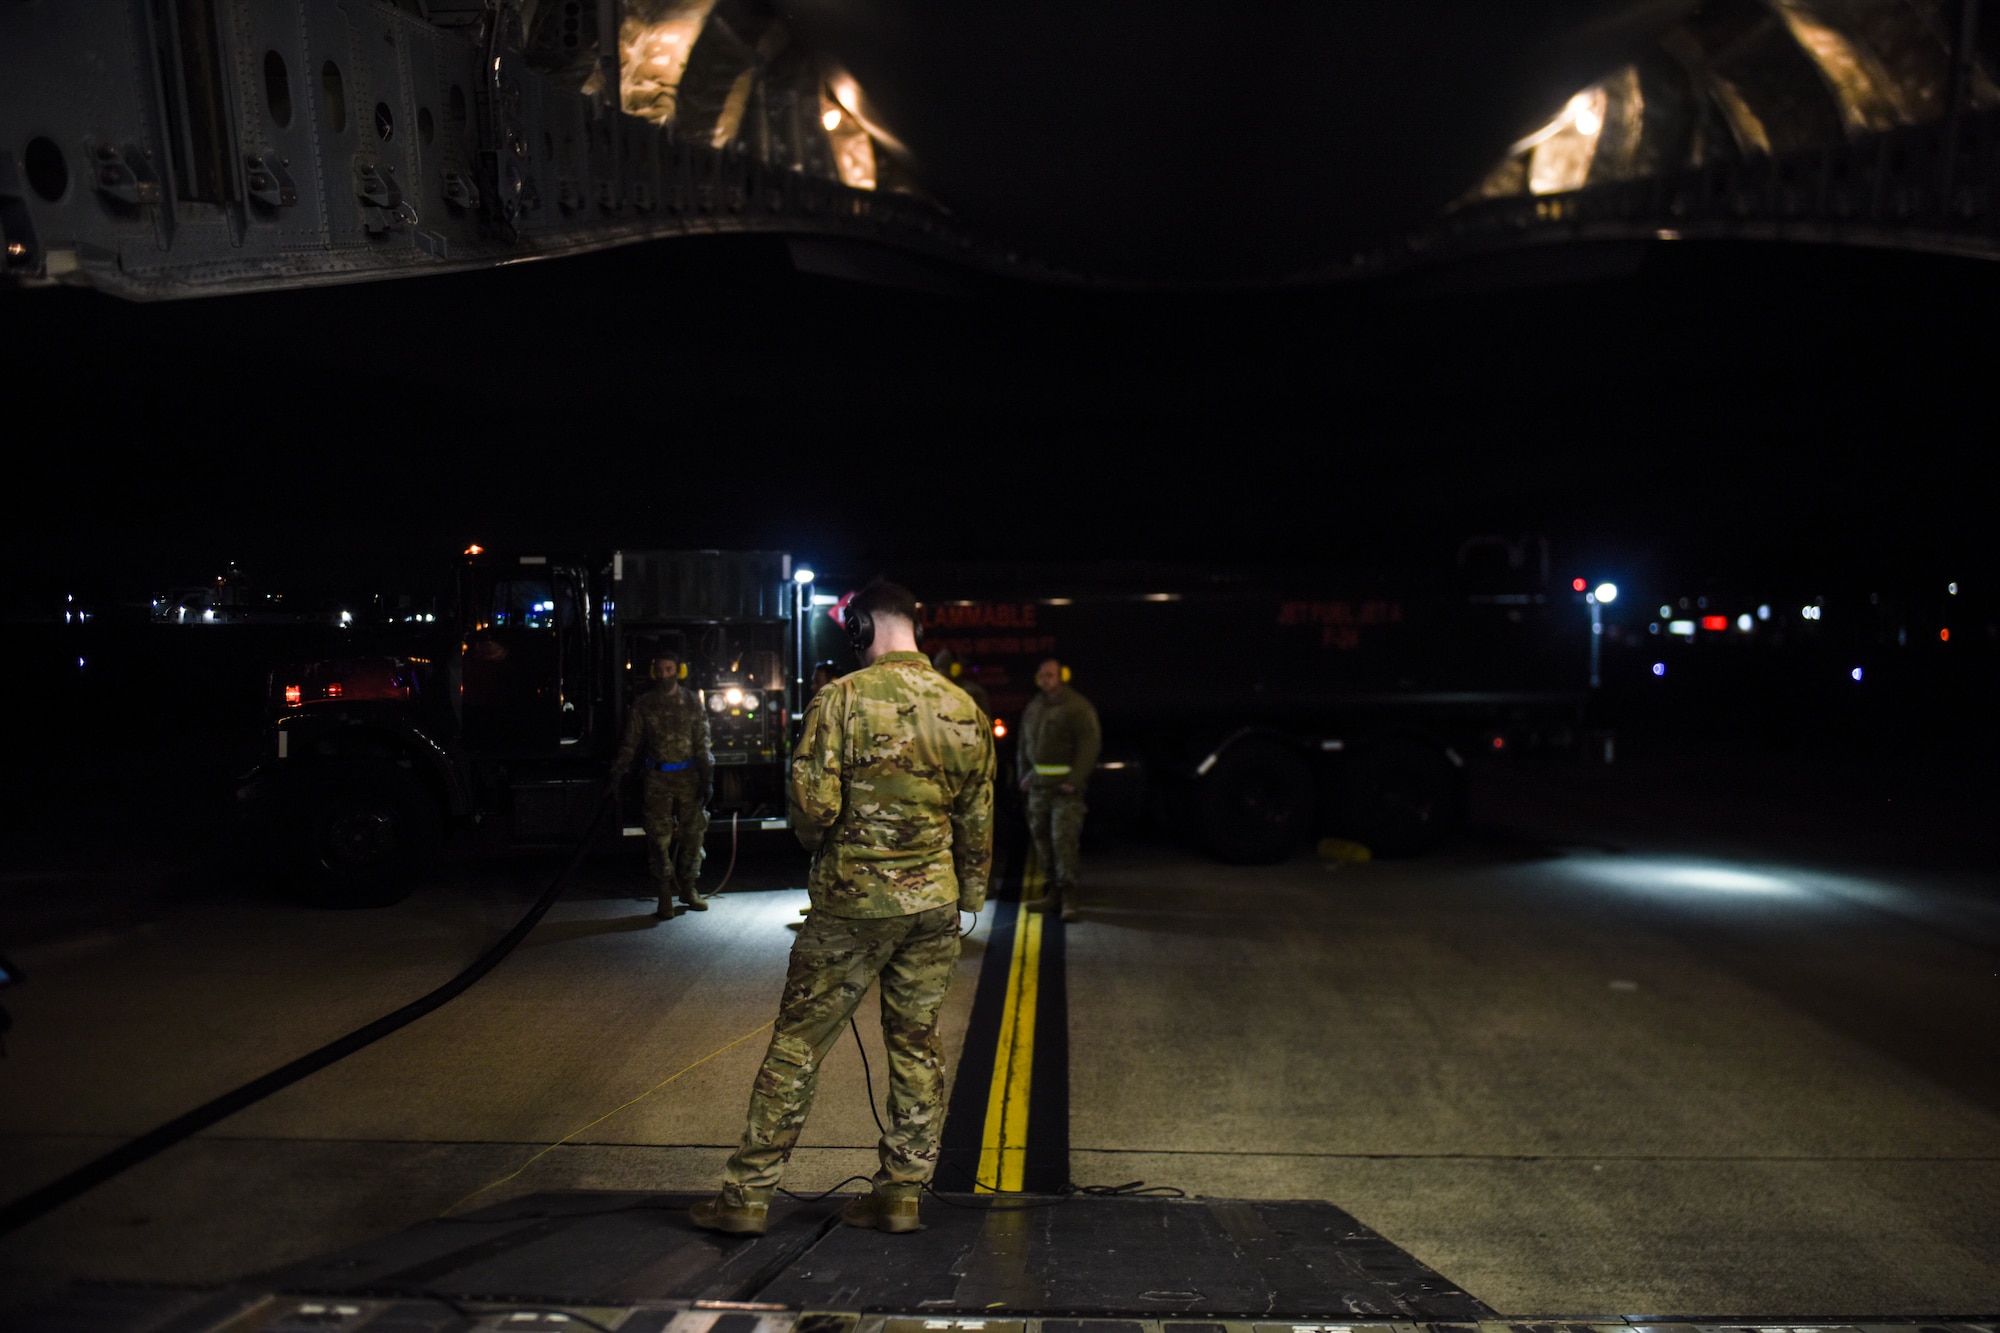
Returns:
(892,792)
(667,725)
(1060,740)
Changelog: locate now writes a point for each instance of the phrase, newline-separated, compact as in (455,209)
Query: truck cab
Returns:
(505,712)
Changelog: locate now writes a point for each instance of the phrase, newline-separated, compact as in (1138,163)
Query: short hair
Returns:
(882,598)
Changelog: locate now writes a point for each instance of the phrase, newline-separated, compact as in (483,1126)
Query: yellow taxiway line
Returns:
(1003,1155)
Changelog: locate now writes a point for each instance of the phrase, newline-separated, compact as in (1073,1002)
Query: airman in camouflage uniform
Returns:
(1060,740)
(892,792)
(668,726)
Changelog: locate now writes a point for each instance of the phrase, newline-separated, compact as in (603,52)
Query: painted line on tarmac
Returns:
(1008,1124)
(1003,1155)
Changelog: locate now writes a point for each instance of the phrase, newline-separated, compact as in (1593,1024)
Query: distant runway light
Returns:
(1856,673)
(1659,668)
(1744,622)
(1578,585)
(1666,613)
(1606,593)
(1951,588)
(1764,612)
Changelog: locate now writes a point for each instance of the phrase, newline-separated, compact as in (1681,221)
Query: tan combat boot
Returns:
(692,897)
(883,1212)
(735,1211)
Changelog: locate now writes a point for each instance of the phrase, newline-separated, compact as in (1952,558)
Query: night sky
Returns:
(1710,412)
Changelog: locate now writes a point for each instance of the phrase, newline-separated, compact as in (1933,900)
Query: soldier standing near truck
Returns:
(1060,739)
(668,725)
(892,793)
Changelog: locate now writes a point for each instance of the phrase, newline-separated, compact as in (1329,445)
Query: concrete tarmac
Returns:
(1629,1048)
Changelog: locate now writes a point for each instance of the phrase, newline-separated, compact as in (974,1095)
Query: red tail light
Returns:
(292,694)
(333,689)
(1715,622)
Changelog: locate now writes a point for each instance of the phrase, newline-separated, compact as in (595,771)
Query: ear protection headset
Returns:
(860,627)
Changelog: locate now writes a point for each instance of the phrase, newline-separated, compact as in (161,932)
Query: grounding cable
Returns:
(19,1212)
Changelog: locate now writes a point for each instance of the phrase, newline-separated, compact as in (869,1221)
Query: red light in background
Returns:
(1944,636)
(1715,622)
(1499,742)
(292,694)
(333,689)
(1579,584)
(999,730)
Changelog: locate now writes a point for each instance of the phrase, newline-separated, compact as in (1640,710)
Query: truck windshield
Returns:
(512,603)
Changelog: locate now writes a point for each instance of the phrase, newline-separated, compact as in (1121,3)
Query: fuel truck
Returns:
(1250,709)
(503,712)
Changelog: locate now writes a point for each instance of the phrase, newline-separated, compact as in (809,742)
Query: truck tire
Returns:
(357,837)
(1255,806)
(1400,799)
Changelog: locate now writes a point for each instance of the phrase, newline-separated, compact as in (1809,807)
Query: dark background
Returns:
(1754,424)
(1701,414)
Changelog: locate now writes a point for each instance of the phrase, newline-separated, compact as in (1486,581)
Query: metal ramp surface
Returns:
(632,1263)
(1070,1255)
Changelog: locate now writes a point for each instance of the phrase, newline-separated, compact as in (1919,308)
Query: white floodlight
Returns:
(1606,593)
(802,575)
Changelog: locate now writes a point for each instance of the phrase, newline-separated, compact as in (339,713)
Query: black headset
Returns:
(860,627)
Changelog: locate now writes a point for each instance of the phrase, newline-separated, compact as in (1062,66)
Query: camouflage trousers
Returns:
(675,825)
(1055,824)
(834,960)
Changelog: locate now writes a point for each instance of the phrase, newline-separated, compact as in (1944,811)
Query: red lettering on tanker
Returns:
(984,647)
(1340,623)
(979,615)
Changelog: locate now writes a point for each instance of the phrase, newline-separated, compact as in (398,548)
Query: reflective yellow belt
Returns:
(1051,770)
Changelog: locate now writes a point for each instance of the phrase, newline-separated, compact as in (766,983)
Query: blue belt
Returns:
(674,768)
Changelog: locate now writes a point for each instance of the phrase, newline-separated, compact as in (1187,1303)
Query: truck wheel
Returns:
(1254,806)
(357,839)
(1400,799)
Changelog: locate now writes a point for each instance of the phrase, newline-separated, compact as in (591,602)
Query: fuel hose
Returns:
(37,1202)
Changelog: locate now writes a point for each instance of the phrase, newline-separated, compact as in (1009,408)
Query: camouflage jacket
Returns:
(666,725)
(1059,732)
(892,792)
(977,693)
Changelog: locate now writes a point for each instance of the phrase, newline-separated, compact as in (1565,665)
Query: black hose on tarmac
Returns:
(35,1203)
